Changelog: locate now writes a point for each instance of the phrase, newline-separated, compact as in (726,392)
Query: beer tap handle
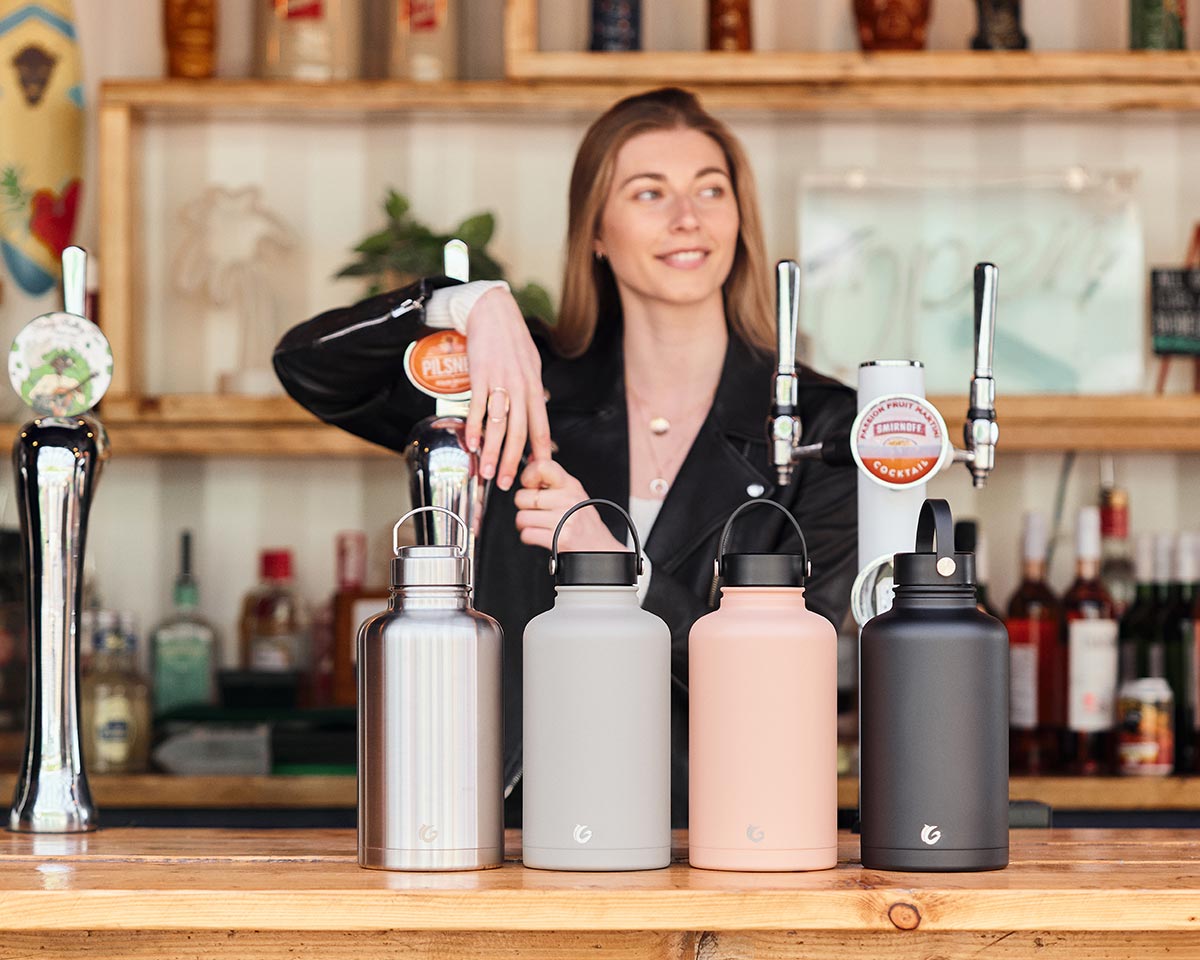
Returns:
(74,268)
(784,428)
(456,261)
(981,431)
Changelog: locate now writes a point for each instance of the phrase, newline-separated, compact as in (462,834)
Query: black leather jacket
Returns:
(345,366)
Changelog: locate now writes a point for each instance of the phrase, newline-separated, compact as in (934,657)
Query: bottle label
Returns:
(437,365)
(299,9)
(1092,672)
(114,729)
(1023,675)
(273,653)
(1114,521)
(183,665)
(899,440)
(423,15)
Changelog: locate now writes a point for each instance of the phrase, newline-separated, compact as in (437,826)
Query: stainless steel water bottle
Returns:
(430,744)
(762,693)
(933,701)
(597,718)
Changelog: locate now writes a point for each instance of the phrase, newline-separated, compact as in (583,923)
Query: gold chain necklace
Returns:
(659,426)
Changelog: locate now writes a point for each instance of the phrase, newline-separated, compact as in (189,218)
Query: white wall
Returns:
(326,179)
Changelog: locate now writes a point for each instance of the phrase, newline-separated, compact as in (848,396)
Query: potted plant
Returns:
(407,249)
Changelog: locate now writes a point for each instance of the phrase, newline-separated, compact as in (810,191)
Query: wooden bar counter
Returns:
(146,893)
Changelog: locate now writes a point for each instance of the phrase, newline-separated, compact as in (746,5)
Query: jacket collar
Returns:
(721,470)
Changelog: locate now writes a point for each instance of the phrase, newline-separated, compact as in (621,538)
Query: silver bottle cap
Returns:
(430,565)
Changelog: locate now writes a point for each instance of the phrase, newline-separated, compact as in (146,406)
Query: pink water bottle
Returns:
(763,718)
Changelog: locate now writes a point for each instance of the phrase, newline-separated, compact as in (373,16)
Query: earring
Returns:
(599,256)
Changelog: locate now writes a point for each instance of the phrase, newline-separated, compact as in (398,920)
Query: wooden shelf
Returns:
(142,791)
(203,426)
(587,83)
(1084,793)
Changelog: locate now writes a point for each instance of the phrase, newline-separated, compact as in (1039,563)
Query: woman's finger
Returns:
(537,537)
(540,445)
(475,414)
(514,444)
(494,430)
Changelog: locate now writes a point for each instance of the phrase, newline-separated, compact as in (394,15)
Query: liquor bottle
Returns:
(1178,631)
(183,648)
(616,25)
(1157,25)
(309,39)
(115,701)
(1091,636)
(1140,651)
(425,40)
(729,25)
(273,629)
(1034,622)
(968,538)
(336,623)
(1116,558)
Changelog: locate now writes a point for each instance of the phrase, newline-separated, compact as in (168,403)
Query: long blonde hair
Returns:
(589,288)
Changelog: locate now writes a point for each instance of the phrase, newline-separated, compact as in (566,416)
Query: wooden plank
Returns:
(117,270)
(986,68)
(588,96)
(140,791)
(110,882)
(196,408)
(378,945)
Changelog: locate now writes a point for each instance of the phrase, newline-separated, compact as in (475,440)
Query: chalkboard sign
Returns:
(1175,312)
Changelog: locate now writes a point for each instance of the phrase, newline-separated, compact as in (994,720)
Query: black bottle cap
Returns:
(596,568)
(582,568)
(934,563)
(763,570)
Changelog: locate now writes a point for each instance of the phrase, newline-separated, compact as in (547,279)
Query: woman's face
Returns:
(669,226)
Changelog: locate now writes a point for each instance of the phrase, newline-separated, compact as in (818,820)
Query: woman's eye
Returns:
(648,194)
(713,192)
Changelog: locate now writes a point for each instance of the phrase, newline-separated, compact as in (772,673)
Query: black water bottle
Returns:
(933,696)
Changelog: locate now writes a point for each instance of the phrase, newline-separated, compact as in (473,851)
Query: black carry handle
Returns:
(593,502)
(935,533)
(778,506)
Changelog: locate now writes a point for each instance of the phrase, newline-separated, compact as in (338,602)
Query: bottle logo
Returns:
(437,365)
(931,834)
(582,834)
(754,834)
(428,833)
(900,440)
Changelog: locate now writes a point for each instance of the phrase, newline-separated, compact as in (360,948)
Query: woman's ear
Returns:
(598,249)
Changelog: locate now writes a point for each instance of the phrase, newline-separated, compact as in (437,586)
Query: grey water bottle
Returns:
(933,702)
(597,718)
(430,754)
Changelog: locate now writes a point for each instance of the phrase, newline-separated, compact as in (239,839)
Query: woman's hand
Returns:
(547,492)
(506,388)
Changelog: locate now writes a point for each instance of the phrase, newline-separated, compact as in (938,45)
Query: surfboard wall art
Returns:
(41,139)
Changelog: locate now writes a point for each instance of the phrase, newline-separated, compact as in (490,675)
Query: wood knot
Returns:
(904,916)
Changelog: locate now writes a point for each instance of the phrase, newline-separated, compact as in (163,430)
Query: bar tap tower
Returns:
(898,441)
(60,364)
(442,472)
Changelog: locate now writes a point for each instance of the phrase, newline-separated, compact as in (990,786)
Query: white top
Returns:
(644,511)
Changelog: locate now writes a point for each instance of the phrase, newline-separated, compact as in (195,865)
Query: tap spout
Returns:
(784,428)
(981,431)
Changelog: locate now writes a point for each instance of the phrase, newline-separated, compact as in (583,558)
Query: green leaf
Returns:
(483,267)
(535,302)
(360,269)
(396,206)
(476,232)
(376,243)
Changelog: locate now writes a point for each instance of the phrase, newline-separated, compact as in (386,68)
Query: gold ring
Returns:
(503,416)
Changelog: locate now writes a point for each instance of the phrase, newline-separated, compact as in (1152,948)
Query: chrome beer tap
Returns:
(784,427)
(60,364)
(981,431)
(443,473)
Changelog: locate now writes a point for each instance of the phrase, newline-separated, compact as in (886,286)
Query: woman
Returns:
(654,385)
